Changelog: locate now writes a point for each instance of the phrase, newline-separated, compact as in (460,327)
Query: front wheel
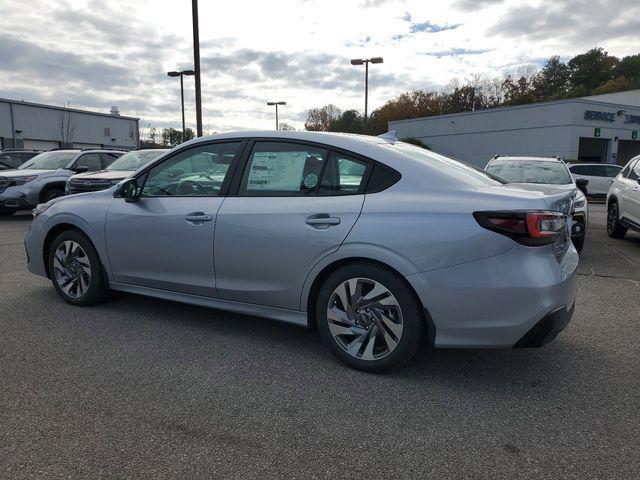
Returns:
(53,193)
(369,318)
(75,269)
(614,228)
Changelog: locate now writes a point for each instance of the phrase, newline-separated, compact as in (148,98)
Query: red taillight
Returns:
(533,228)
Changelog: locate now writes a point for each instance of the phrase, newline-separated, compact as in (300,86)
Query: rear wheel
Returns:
(369,318)
(52,193)
(614,228)
(75,268)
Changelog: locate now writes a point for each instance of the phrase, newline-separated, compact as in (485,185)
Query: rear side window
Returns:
(342,175)
(280,168)
(579,169)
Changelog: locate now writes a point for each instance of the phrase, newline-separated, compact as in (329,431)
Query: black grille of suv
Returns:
(80,186)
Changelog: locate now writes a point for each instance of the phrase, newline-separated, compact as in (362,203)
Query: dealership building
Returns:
(43,127)
(600,128)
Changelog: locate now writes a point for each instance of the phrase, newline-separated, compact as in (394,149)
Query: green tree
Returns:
(349,122)
(320,119)
(590,70)
(172,137)
(552,81)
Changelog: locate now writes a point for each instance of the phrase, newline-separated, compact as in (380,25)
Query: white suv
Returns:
(623,201)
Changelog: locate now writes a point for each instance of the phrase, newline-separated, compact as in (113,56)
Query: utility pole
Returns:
(196,66)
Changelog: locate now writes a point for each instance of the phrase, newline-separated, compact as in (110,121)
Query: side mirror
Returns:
(129,190)
(582,183)
(81,169)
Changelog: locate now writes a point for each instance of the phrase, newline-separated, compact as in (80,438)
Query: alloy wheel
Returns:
(72,269)
(365,319)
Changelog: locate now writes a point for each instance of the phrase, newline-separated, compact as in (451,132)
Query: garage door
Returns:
(627,149)
(40,144)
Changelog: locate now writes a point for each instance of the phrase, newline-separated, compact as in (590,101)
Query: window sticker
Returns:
(281,171)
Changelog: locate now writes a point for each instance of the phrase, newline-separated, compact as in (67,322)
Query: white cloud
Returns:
(96,53)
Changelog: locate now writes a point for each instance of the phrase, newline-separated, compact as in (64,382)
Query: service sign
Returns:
(610,117)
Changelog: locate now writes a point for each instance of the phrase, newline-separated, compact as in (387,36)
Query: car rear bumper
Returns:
(547,328)
(496,302)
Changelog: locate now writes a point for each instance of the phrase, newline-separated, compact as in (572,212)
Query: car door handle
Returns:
(322,220)
(198,218)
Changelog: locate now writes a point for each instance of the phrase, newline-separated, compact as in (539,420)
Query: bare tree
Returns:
(67,126)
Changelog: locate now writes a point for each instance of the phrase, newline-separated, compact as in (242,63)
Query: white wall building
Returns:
(602,128)
(43,127)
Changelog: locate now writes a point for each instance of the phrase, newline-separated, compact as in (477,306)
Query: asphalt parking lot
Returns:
(138,387)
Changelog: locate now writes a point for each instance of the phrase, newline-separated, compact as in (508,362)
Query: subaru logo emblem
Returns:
(86,184)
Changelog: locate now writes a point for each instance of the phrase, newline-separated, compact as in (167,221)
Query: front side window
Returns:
(91,161)
(279,168)
(9,161)
(197,172)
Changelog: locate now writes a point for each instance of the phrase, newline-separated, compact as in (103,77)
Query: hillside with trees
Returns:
(591,73)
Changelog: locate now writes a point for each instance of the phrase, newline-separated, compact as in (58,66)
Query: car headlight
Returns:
(40,208)
(581,200)
(17,181)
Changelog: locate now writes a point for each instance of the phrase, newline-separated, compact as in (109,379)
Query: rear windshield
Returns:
(134,160)
(49,161)
(460,170)
(530,171)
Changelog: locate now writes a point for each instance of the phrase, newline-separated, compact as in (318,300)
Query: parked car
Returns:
(114,173)
(44,177)
(12,158)
(549,175)
(600,176)
(623,201)
(420,250)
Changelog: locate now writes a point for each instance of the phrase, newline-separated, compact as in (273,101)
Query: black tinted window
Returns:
(89,160)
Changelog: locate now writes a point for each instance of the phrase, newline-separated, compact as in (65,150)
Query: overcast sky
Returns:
(95,54)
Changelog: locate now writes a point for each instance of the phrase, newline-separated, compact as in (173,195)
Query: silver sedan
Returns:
(382,246)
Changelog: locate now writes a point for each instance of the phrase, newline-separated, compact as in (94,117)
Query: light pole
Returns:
(276,104)
(181,74)
(196,65)
(366,61)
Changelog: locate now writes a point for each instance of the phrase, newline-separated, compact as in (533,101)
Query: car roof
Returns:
(595,164)
(526,158)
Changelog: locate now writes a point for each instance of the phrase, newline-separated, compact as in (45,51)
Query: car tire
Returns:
(369,336)
(75,269)
(614,228)
(51,194)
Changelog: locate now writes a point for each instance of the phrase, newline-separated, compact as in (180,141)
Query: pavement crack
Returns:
(601,275)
